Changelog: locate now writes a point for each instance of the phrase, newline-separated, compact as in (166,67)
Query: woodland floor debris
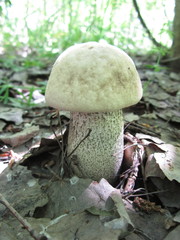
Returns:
(80,208)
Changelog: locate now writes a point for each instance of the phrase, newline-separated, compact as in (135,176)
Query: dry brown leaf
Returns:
(21,137)
(169,162)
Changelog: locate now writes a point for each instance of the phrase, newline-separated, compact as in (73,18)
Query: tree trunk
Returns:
(176,40)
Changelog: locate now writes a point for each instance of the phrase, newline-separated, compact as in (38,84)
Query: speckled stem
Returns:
(100,154)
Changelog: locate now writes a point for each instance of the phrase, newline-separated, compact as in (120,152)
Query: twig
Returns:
(53,173)
(136,158)
(23,221)
(133,174)
(138,127)
(87,135)
(61,145)
(56,137)
(75,234)
(62,149)
(148,193)
(133,194)
(141,233)
(143,178)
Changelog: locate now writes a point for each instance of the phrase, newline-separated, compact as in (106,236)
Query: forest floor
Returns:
(71,208)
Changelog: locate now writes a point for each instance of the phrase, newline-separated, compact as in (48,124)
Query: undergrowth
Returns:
(26,44)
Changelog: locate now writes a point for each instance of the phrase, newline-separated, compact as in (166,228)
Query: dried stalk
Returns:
(23,221)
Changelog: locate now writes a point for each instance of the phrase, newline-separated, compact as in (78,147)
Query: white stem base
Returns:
(100,154)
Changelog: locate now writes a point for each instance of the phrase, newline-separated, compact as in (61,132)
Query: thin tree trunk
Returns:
(157,44)
(176,40)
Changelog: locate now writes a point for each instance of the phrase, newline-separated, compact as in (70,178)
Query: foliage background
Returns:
(42,29)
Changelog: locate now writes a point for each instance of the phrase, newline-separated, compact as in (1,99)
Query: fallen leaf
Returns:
(130,117)
(174,234)
(148,137)
(169,194)
(11,114)
(169,162)
(170,115)
(20,137)
(152,169)
(20,77)
(2,125)
(175,76)
(177,217)
(21,190)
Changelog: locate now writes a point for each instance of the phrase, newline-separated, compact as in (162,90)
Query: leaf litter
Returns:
(63,206)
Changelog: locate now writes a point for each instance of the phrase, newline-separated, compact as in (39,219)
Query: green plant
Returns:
(5,91)
(42,34)
(156,67)
(18,96)
(10,62)
(159,53)
(3,4)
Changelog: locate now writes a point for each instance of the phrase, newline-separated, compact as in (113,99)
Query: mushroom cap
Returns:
(93,77)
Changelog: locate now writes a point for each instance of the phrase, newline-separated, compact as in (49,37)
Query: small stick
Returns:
(61,154)
(141,233)
(53,173)
(87,135)
(75,234)
(23,221)
(56,137)
(136,158)
(138,127)
(149,193)
(61,145)
(133,174)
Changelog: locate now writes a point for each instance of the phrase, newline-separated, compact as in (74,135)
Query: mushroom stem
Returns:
(100,154)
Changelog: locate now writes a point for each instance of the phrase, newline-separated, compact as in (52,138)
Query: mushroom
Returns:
(94,82)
